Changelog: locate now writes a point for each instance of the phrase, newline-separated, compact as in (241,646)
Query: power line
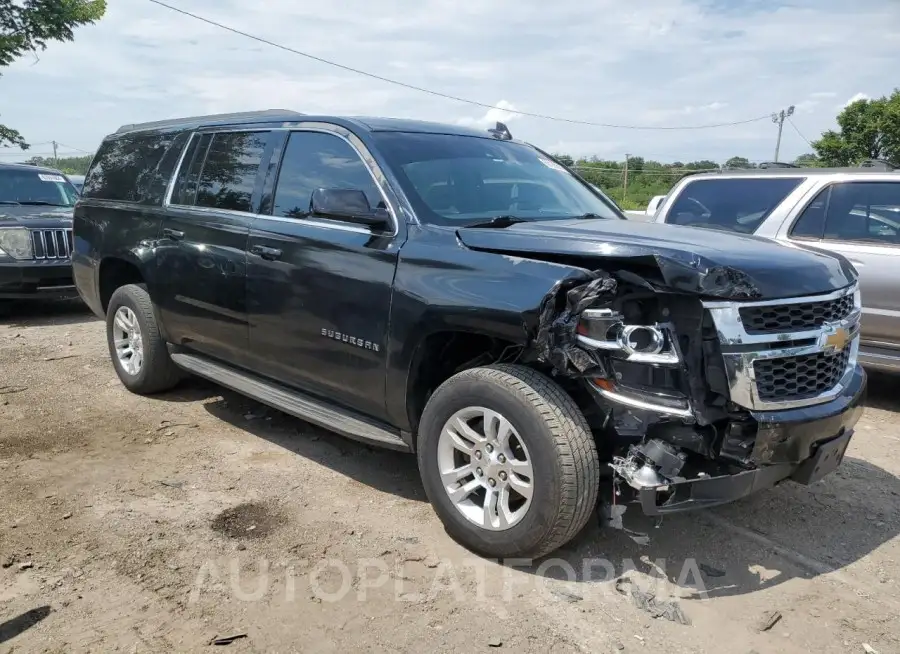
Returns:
(797,129)
(446,95)
(69,147)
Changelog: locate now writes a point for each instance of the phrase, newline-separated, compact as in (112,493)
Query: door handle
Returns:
(174,234)
(266,252)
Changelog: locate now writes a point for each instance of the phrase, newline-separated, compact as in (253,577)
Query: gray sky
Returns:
(647,62)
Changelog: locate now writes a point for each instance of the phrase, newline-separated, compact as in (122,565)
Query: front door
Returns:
(319,290)
(202,246)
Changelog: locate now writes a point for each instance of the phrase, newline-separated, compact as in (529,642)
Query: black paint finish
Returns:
(691,260)
(341,310)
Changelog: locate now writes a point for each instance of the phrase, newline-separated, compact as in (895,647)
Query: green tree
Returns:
(869,129)
(69,165)
(28,25)
(739,162)
(808,160)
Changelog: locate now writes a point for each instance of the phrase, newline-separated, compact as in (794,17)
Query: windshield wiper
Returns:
(42,203)
(499,221)
(589,216)
(8,202)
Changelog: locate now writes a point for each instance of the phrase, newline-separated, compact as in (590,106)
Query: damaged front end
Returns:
(702,401)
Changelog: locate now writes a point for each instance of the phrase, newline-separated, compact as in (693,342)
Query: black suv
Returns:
(461,295)
(36,207)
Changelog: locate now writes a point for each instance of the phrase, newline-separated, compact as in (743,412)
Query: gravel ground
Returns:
(160,524)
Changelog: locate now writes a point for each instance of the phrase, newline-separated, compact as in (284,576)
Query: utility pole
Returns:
(778,119)
(55,159)
(625,184)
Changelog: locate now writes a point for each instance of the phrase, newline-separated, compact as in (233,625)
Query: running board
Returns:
(342,421)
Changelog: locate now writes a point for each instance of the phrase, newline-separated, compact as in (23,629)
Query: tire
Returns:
(560,447)
(156,372)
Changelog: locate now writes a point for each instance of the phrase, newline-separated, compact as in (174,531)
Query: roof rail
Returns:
(777,164)
(218,118)
(877,163)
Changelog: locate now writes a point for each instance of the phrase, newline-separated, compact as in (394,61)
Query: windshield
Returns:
(459,180)
(736,205)
(20,186)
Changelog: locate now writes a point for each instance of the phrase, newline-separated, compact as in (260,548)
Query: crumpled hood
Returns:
(689,259)
(29,215)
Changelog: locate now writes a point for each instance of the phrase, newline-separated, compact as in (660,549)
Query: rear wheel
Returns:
(138,352)
(508,461)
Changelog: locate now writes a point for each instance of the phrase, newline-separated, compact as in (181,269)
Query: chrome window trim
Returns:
(739,364)
(323,128)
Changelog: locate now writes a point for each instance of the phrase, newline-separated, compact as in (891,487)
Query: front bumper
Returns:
(47,279)
(803,445)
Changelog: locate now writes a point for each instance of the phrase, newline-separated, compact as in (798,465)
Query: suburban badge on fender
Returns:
(350,340)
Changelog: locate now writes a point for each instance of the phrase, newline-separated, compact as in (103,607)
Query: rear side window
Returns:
(159,181)
(124,168)
(230,170)
(862,212)
(866,212)
(185,189)
(737,205)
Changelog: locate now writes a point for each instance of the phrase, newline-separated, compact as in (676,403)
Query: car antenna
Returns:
(501,132)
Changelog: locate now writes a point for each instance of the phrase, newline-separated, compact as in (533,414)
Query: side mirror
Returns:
(346,204)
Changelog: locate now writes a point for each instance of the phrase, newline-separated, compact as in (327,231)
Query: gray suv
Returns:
(852,211)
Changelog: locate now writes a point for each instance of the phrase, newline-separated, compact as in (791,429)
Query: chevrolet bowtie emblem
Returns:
(835,340)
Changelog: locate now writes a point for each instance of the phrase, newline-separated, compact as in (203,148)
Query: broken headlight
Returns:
(606,329)
(645,362)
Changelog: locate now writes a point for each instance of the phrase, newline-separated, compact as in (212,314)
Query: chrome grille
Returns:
(52,243)
(795,317)
(782,354)
(801,377)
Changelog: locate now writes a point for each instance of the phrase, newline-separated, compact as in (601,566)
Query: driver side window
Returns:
(314,160)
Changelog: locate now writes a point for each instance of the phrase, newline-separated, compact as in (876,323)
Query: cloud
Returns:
(856,98)
(499,113)
(659,62)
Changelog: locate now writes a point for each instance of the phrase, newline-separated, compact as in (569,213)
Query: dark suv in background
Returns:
(36,207)
(461,295)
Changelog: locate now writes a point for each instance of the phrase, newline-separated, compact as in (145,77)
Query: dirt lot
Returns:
(155,525)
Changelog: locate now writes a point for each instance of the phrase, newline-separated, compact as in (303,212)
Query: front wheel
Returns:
(508,461)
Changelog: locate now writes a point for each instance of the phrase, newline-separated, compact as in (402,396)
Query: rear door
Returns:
(202,246)
(861,220)
(320,289)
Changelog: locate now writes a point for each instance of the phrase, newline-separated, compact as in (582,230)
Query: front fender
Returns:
(442,286)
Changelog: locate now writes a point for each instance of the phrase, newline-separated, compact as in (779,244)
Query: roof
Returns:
(372,124)
(25,166)
(244,117)
(791,172)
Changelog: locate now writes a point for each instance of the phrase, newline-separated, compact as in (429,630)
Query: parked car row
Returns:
(462,296)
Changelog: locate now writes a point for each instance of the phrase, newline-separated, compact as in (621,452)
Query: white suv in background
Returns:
(852,211)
